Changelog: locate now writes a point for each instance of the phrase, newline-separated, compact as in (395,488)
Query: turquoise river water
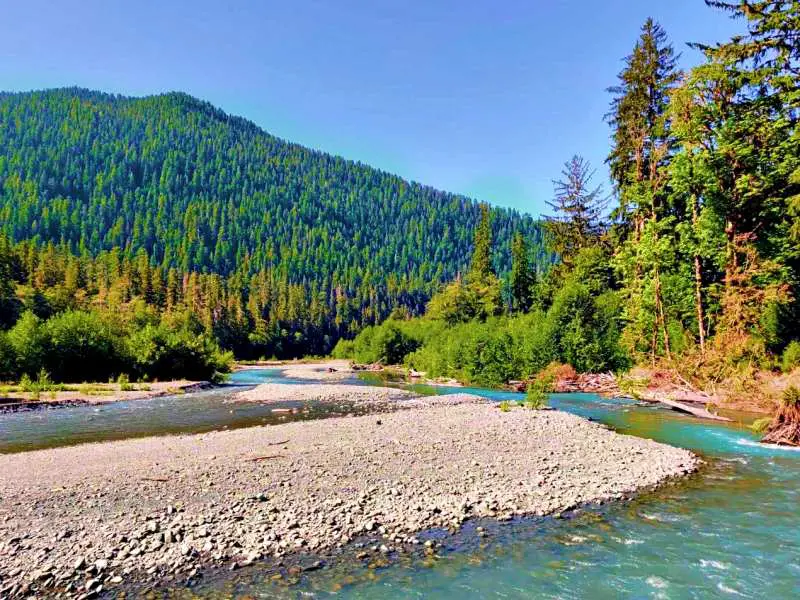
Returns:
(731,531)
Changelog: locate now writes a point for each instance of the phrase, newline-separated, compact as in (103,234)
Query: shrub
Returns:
(344,349)
(163,354)
(124,383)
(29,342)
(791,357)
(391,345)
(791,397)
(536,398)
(761,425)
(42,383)
(82,347)
(388,344)
(505,406)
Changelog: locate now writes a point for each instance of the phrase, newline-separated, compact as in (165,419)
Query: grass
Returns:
(33,390)
(124,383)
(761,425)
(536,397)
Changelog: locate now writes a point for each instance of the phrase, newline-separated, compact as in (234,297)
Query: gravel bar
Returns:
(84,520)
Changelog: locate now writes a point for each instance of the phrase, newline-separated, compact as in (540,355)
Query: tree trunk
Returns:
(698,291)
(698,284)
(660,315)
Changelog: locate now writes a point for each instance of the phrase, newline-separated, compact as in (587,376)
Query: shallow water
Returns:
(732,531)
(205,410)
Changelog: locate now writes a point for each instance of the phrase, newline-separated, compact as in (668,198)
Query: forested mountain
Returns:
(201,190)
(275,248)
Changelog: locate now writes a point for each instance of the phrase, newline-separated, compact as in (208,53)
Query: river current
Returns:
(730,531)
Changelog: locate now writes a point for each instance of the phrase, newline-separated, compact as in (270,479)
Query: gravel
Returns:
(87,519)
(358,395)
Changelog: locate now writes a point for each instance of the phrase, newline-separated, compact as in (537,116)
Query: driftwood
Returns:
(785,427)
(278,443)
(372,367)
(159,479)
(260,458)
(686,408)
(589,383)
(606,384)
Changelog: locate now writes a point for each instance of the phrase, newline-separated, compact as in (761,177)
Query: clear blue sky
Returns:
(485,98)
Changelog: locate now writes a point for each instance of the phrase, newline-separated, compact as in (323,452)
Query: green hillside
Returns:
(201,190)
(172,188)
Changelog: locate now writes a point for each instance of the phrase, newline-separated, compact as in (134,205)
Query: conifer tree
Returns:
(578,208)
(481,265)
(737,117)
(523,277)
(642,147)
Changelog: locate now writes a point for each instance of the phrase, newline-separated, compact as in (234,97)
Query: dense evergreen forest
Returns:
(117,205)
(694,266)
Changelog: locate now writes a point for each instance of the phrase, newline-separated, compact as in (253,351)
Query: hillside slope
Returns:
(201,190)
(106,199)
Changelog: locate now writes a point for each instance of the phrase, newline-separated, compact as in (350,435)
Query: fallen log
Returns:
(696,411)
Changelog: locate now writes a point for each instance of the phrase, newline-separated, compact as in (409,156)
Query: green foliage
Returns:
(161,353)
(761,425)
(480,268)
(461,302)
(124,383)
(165,200)
(344,349)
(791,397)
(505,406)
(81,346)
(579,209)
(391,345)
(791,357)
(578,329)
(29,341)
(523,278)
(42,383)
(90,346)
(386,344)
(536,396)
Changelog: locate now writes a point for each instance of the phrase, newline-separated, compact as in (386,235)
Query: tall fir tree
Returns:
(481,266)
(523,277)
(737,121)
(578,207)
(642,148)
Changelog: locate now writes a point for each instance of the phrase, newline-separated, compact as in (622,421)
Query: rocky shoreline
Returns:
(83,520)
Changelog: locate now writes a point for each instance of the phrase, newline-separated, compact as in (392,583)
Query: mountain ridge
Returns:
(173,137)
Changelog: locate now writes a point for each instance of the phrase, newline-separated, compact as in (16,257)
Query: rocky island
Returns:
(86,519)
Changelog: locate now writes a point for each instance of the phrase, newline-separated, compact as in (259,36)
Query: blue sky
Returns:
(484,98)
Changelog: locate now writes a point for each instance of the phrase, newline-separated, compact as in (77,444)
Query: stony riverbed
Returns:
(87,519)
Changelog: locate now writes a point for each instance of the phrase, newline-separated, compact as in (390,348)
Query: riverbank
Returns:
(160,510)
(13,399)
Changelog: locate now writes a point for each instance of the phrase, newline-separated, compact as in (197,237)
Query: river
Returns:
(731,531)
